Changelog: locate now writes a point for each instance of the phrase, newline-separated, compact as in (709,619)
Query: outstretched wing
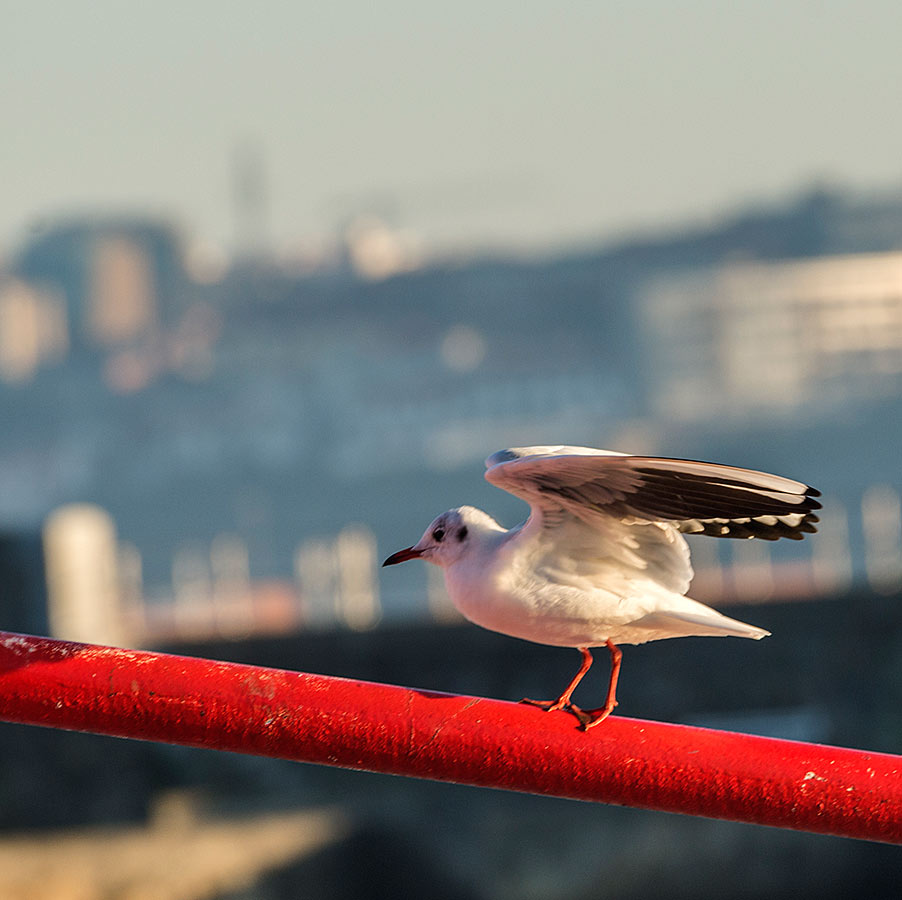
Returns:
(597,486)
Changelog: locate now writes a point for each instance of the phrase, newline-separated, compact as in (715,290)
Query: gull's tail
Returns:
(692,619)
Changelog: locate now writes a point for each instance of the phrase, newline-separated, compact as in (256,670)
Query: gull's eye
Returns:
(438,535)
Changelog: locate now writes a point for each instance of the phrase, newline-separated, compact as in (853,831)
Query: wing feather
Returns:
(695,497)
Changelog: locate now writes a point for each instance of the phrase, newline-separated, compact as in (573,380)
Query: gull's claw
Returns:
(586,717)
(547,705)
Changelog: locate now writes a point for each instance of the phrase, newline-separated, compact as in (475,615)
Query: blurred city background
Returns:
(272,286)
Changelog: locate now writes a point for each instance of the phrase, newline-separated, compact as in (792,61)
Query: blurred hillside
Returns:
(262,406)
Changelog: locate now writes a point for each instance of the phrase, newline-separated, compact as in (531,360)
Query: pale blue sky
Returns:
(483,122)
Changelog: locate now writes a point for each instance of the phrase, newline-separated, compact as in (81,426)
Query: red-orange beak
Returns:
(402,556)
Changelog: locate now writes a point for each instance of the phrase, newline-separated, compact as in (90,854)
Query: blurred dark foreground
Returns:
(100,817)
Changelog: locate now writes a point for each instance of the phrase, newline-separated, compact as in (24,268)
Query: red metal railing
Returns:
(469,740)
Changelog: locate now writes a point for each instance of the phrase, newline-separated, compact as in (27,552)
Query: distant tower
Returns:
(250,198)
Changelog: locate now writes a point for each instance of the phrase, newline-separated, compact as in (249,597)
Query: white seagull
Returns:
(601,560)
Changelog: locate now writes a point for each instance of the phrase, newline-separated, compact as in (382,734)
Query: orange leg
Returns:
(592,717)
(564,700)
(588,717)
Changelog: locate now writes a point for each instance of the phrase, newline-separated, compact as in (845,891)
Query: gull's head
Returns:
(450,537)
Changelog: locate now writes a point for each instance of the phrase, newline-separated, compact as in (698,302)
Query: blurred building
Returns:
(375,250)
(33,329)
(118,279)
(759,339)
(122,299)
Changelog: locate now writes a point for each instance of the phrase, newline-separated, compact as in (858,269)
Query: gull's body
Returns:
(601,560)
